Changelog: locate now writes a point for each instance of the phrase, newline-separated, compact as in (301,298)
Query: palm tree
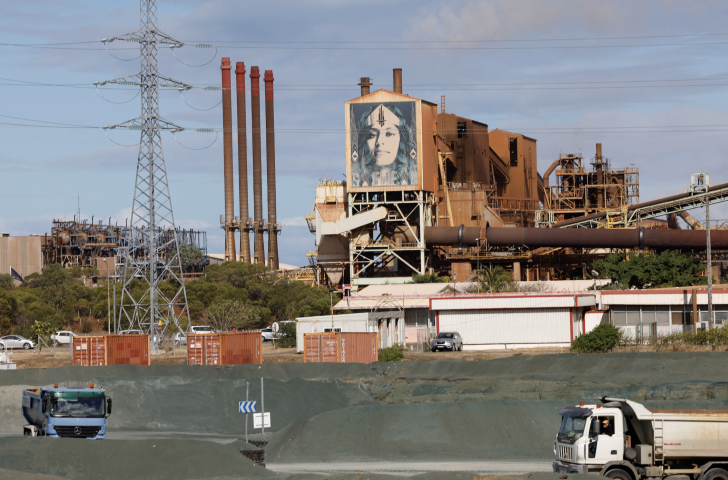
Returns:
(495,280)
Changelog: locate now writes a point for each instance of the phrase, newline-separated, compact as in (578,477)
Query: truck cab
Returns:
(66,412)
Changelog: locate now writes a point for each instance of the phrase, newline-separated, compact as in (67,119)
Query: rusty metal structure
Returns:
(245,224)
(578,191)
(272,227)
(258,225)
(227,136)
(103,246)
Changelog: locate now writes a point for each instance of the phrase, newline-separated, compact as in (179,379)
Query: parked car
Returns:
(64,337)
(131,332)
(267,333)
(16,341)
(447,341)
(180,338)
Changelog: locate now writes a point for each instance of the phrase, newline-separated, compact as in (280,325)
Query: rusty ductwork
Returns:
(692,222)
(259,247)
(577,238)
(242,161)
(270,154)
(227,137)
(365,83)
(397,80)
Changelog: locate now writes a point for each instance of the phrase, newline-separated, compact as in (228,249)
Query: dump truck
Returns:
(623,440)
(66,412)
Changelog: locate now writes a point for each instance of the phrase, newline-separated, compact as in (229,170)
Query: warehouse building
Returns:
(516,320)
(387,324)
(659,312)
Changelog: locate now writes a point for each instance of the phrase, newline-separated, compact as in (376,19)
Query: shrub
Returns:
(87,326)
(288,335)
(603,338)
(395,353)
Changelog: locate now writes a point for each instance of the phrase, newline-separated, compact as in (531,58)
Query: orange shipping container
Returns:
(89,351)
(340,348)
(358,347)
(237,348)
(127,350)
(203,349)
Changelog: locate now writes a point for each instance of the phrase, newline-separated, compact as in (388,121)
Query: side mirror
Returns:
(108,406)
(596,427)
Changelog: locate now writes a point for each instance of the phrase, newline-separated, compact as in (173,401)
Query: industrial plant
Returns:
(428,191)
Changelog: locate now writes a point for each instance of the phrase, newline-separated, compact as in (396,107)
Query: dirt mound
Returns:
(117,459)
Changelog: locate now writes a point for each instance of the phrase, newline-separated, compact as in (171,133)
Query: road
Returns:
(413,468)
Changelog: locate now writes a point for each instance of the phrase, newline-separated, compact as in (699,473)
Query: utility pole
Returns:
(152,253)
(707,254)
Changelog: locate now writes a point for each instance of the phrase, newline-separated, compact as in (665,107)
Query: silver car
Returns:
(15,341)
(447,341)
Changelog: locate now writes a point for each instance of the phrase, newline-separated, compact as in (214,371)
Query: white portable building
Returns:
(388,325)
(515,320)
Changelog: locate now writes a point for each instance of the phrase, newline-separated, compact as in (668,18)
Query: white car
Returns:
(64,337)
(16,341)
(131,332)
(180,338)
(267,333)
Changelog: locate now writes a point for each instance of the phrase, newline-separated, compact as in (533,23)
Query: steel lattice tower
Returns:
(152,254)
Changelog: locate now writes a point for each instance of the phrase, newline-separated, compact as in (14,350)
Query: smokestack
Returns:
(258,247)
(270,170)
(227,141)
(397,80)
(600,177)
(242,162)
(365,83)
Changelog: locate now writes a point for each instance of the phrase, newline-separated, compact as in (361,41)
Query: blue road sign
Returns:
(247,407)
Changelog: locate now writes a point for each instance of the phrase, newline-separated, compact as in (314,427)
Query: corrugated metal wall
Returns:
(522,326)
(510,301)
(89,351)
(241,347)
(127,349)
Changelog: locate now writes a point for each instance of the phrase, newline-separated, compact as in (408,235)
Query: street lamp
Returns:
(477,240)
(595,274)
(331,296)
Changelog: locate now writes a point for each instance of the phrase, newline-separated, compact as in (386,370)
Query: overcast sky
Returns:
(642,88)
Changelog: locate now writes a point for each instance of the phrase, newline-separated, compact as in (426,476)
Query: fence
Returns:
(225,348)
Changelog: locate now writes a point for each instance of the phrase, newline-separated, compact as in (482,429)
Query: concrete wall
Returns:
(22,254)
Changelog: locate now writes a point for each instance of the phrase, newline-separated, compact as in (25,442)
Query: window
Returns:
(633,315)
(619,315)
(662,315)
(462,129)
(513,147)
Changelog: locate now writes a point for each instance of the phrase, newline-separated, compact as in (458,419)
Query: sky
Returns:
(645,78)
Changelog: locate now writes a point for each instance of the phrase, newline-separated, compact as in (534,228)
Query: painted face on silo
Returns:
(383,138)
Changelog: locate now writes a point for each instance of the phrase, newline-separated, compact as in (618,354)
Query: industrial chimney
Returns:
(259,248)
(397,80)
(227,137)
(600,176)
(270,169)
(242,162)
(365,83)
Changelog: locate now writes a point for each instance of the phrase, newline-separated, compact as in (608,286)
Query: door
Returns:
(606,439)
(13,342)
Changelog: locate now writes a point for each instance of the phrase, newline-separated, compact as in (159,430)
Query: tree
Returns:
(224,315)
(43,330)
(494,280)
(669,268)
(6,281)
(429,278)
(53,284)
(191,256)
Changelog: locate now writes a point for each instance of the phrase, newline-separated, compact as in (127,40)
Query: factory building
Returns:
(22,254)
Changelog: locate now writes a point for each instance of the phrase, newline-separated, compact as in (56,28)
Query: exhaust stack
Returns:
(227,137)
(259,247)
(270,154)
(397,80)
(242,162)
(365,83)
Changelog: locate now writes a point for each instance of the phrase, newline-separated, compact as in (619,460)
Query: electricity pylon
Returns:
(152,250)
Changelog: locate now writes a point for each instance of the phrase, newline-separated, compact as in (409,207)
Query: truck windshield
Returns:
(78,404)
(572,428)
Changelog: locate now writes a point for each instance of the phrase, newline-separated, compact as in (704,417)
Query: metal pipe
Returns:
(397,80)
(242,161)
(270,155)
(259,247)
(365,83)
(546,187)
(227,141)
(600,177)
(692,222)
(578,238)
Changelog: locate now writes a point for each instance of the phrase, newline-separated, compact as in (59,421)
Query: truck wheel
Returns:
(618,474)
(716,474)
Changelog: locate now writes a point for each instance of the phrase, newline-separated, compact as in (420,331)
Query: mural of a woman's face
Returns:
(383,138)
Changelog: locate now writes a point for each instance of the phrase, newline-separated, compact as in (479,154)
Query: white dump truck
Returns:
(621,439)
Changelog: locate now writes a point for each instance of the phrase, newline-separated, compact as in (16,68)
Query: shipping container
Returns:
(340,348)
(203,349)
(89,351)
(358,347)
(127,349)
(237,348)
